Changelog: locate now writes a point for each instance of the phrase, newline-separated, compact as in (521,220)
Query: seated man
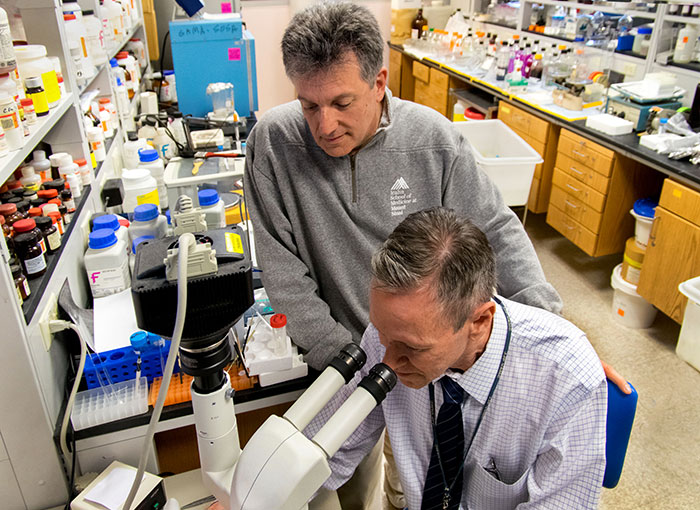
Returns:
(499,405)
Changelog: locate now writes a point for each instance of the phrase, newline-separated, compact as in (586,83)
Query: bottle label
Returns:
(97,145)
(7,54)
(53,92)
(25,287)
(149,198)
(41,104)
(414,33)
(110,281)
(35,265)
(19,296)
(54,241)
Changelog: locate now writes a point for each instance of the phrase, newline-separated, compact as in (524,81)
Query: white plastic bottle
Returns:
(150,161)
(111,221)
(41,165)
(148,131)
(685,44)
(7,53)
(177,128)
(130,153)
(164,145)
(75,31)
(30,179)
(116,20)
(10,122)
(139,188)
(147,222)
(106,263)
(213,208)
(95,38)
(96,140)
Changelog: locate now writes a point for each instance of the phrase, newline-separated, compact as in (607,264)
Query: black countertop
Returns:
(627,145)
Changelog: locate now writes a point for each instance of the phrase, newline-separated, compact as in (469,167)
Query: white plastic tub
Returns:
(688,348)
(629,308)
(505,157)
(642,228)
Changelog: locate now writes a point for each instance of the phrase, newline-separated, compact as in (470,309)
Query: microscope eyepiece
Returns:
(349,360)
(380,381)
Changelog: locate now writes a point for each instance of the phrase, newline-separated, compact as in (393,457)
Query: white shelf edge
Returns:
(672,18)
(624,8)
(99,69)
(11,161)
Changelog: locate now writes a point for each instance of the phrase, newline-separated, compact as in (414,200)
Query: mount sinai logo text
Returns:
(400,196)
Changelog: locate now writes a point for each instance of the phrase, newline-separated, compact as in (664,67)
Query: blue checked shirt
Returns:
(542,441)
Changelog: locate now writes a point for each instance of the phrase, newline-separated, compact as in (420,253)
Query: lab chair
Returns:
(621,410)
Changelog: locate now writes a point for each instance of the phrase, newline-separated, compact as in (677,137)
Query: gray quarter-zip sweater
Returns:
(318,219)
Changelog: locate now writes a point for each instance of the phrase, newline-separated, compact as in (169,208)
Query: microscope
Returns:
(280,468)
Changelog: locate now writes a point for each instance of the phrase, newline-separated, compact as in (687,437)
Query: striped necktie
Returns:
(448,452)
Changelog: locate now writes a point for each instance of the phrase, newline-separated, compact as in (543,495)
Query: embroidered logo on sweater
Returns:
(401,196)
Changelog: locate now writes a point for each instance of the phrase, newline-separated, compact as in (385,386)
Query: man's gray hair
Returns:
(321,35)
(449,254)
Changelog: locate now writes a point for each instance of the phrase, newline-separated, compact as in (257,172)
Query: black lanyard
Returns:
(431,390)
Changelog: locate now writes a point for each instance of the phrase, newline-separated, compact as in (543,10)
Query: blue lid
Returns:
(167,216)
(578,38)
(645,207)
(644,30)
(145,212)
(139,340)
(113,62)
(102,238)
(664,121)
(108,221)
(138,241)
(168,72)
(208,197)
(148,155)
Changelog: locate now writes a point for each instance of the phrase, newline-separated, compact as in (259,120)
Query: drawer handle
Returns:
(580,154)
(571,205)
(573,189)
(577,171)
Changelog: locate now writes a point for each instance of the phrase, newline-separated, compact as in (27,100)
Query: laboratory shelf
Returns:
(691,66)
(672,18)
(38,285)
(113,52)
(92,79)
(38,131)
(609,7)
(569,42)
(499,25)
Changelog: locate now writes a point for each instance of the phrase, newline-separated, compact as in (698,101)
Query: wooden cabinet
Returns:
(542,137)
(432,87)
(673,252)
(593,190)
(401,81)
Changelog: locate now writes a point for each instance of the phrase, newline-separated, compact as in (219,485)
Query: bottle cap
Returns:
(34,212)
(645,207)
(66,195)
(48,194)
(139,340)
(102,238)
(148,155)
(108,221)
(68,17)
(42,221)
(26,102)
(279,320)
(24,225)
(168,72)
(80,162)
(208,197)
(145,212)
(113,62)
(122,54)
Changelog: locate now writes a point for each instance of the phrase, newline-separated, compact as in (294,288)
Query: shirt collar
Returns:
(477,381)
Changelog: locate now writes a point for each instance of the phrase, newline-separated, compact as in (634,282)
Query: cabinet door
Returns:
(673,256)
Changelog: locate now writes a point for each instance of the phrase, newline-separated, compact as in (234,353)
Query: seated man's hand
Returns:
(616,378)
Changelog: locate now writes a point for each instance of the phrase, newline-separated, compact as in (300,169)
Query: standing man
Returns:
(330,175)
(499,405)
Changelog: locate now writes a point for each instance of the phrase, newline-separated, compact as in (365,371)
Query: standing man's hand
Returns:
(616,378)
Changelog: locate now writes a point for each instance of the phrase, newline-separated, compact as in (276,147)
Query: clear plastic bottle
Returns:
(502,60)
(570,24)
(558,21)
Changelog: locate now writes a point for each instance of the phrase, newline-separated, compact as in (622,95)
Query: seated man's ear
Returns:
(482,318)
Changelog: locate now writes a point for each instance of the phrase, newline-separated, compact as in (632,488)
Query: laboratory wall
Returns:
(266,20)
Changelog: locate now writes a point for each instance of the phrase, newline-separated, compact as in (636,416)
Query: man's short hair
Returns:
(449,254)
(321,35)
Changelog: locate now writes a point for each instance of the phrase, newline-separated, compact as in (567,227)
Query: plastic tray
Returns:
(114,402)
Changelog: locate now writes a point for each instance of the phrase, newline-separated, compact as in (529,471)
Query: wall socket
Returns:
(49,313)
(629,69)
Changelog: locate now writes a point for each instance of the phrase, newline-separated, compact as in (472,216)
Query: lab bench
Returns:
(589,181)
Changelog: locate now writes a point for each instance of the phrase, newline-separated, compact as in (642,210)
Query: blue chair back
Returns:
(621,410)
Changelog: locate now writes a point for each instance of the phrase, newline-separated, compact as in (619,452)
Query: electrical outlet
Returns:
(49,313)
(629,69)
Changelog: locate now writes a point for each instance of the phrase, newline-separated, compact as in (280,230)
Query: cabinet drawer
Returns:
(578,190)
(586,152)
(582,173)
(572,230)
(539,129)
(421,71)
(439,79)
(430,96)
(681,200)
(575,209)
(537,145)
(505,112)
(394,58)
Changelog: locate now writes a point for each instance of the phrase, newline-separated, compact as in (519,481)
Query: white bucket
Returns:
(629,308)
(688,348)
(642,228)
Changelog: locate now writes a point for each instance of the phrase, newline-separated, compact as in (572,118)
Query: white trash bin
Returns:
(505,157)
(629,308)
(688,348)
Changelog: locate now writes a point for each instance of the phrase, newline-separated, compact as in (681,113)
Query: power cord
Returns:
(55,326)
(186,242)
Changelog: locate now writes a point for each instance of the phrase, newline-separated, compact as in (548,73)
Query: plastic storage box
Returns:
(507,159)
(688,348)
(112,402)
